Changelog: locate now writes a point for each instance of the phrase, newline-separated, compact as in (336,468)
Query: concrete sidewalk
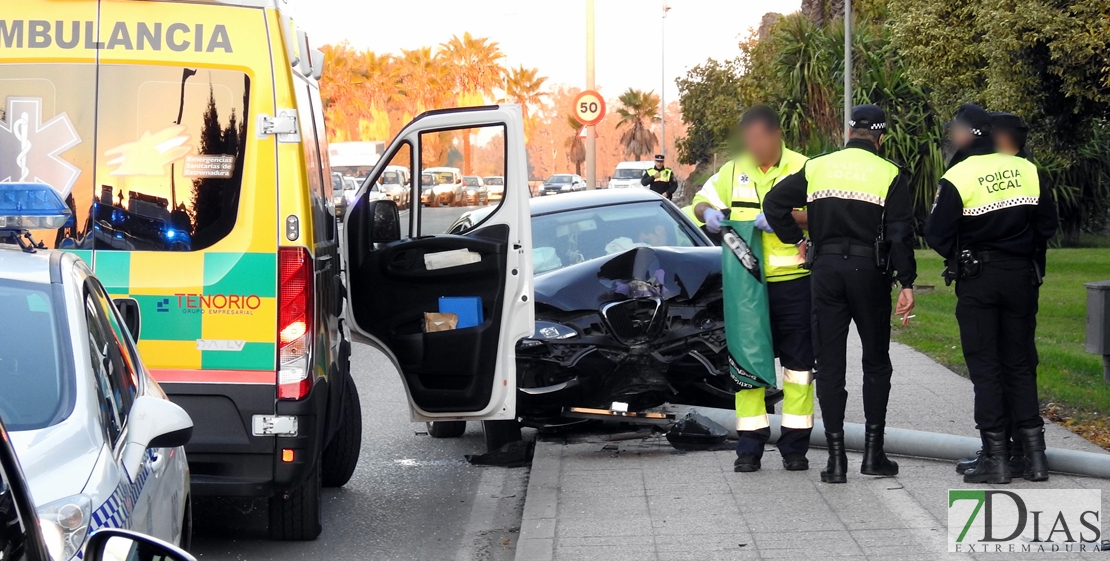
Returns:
(644,500)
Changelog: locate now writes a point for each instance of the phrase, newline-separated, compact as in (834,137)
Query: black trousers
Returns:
(997,313)
(847,289)
(791,323)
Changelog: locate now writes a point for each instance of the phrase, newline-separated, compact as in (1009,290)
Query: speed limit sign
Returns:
(589,108)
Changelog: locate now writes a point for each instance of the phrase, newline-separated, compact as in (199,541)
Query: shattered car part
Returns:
(696,432)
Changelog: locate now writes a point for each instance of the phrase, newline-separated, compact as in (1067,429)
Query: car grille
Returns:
(634,322)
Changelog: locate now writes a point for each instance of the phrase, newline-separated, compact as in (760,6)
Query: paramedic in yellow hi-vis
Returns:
(741,185)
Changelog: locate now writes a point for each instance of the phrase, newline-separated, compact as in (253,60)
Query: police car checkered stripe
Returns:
(847,195)
(999,205)
(116,511)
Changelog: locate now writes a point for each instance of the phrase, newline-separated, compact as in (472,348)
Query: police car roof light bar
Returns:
(29,206)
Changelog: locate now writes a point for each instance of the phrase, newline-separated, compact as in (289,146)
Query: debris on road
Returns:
(696,432)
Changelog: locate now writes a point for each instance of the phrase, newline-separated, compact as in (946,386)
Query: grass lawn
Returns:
(1070,379)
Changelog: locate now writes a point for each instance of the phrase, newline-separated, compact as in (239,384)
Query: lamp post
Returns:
(591,138)
(663,78)
(847,66)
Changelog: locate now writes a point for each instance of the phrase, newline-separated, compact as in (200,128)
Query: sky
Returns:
(551,34)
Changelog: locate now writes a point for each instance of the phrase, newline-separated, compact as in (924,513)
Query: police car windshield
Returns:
(35,374)
(627,173)
(558,179)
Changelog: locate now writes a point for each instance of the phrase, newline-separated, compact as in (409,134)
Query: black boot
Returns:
(875,461)
(837,470)
(993,465)
(746,463)
(966,464)
(795,462)
(1036,464)
(1017,456)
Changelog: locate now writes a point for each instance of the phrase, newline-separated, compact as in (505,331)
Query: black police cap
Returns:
(868,116)
(659,157)
(1008,121)
(973,117)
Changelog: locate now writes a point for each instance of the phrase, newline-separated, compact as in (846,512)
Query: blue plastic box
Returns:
(467,308)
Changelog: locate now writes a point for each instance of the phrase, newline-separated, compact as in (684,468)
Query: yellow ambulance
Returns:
(188,140)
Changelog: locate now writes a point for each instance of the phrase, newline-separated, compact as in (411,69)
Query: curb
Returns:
(537,526)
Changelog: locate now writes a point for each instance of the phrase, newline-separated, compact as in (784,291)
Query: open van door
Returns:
(401,266)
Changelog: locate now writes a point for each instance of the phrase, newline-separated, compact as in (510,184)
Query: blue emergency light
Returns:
(31,206)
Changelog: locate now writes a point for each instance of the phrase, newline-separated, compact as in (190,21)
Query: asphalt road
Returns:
(412,496)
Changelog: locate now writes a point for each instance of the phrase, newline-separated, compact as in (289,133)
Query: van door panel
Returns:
(463,373)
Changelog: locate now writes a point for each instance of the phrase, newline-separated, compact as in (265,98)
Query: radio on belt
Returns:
(274,425)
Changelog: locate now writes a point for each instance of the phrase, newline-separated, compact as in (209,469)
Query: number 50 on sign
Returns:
(589,108)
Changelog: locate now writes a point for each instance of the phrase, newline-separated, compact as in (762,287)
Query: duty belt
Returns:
(999,256)
(846,247)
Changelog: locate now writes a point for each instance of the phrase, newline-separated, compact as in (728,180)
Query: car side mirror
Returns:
(385,221)
(113,544)
(154,423)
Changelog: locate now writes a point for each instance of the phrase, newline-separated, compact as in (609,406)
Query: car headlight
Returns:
(65,524)
(549,331)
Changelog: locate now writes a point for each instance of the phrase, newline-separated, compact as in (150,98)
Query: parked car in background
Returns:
(597,339)
(495,187)
(445,187)
(85,417)
(476,192)
(396,184)
(628,174)
(562,183)
(338,192)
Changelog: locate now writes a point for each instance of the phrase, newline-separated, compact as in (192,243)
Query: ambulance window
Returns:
(314,143)
(448,155)
(391,185)
(47,117)
(171,146)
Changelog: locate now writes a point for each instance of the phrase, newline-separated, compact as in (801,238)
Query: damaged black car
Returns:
(628,308)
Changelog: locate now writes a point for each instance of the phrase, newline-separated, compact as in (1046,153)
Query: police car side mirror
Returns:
(385,221)
(153,423)
(113,544)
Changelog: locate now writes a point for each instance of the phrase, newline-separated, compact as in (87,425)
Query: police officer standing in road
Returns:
(990,216)
(660,178)
(740,185)
(1009,133)
(860,214)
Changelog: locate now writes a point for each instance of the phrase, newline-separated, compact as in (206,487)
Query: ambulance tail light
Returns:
(295,322)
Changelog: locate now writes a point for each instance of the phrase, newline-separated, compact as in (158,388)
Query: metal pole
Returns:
(591,137)
(663,78)
(847,66)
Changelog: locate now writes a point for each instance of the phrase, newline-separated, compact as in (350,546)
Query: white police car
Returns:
(99,442)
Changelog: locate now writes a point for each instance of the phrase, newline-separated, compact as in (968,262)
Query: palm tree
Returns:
(522,85)
(576,149)
(422,80)
(475,70)
(637,107)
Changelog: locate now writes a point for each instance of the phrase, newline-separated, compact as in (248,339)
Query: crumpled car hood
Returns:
(588,285)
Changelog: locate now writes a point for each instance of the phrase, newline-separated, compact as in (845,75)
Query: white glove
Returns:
(713,218)
(761,223)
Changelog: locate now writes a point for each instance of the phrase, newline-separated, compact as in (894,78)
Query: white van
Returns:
(628,174)
(355,159)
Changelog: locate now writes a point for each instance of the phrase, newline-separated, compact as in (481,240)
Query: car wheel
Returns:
(500,433)
(341,454)
(295,515)
(446,429)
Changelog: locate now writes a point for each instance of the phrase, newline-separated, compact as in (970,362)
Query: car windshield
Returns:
(558,179)
(426,179)
(358,172)
(390,178)
(627,173)
(35,373)
(495,181)
(471,181)
(444,177)
(574,236)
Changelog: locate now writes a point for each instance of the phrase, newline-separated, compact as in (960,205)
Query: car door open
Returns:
(447,309)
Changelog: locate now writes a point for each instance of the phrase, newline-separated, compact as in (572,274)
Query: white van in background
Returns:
(628,174)
(355,159)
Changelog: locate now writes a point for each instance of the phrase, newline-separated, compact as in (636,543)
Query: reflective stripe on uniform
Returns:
(744,194)
(847,195)
(751,410)
(796,376)
(999,205)
(709,191)
(797,421)
(775,260)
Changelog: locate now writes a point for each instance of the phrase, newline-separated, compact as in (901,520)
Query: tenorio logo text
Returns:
(1024,520)
(242,304)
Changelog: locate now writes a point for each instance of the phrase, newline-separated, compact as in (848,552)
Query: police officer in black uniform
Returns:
(660,178)
(990,217)
(860,212)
